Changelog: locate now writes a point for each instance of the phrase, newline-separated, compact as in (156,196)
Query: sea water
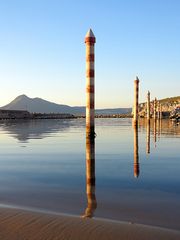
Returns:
(137,171)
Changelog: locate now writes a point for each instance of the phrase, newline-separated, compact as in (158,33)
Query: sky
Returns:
(42,49)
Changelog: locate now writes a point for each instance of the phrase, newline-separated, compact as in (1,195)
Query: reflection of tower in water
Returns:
(136,152)
(148,137)
(155,132)
(90,177)
(159,118)
(158,127)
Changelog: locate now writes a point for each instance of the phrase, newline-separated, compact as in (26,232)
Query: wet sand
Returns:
(18,224)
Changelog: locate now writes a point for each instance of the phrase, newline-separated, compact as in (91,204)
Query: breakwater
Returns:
(20,114)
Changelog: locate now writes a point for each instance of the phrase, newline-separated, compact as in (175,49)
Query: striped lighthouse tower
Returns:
(90,42)
(148,106)
(136,100)
(155,108)
(160,111)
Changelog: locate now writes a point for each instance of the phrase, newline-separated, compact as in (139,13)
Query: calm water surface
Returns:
(137,173)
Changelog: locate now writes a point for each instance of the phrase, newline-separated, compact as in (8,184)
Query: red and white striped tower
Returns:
(148,105)
(90,41)
(155,117)
(136,100)
(160,111)
(155,108)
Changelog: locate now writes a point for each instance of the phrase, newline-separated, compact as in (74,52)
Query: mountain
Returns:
(40,105)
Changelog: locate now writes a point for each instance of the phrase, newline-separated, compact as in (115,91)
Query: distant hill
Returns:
(168,105)
(170,100)
(40,105)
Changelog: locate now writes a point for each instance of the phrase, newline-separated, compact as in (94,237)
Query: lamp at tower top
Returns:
(137,79)
(90,37)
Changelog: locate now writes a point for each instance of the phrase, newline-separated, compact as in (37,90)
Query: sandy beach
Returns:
(18,224)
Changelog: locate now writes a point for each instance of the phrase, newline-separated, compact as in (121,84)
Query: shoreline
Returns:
(63,214)
(30,224)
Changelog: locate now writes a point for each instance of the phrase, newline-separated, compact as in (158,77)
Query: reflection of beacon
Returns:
(148,138)
(90,41)
(155,132)
(136,100)
(136,153)
(90,177)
